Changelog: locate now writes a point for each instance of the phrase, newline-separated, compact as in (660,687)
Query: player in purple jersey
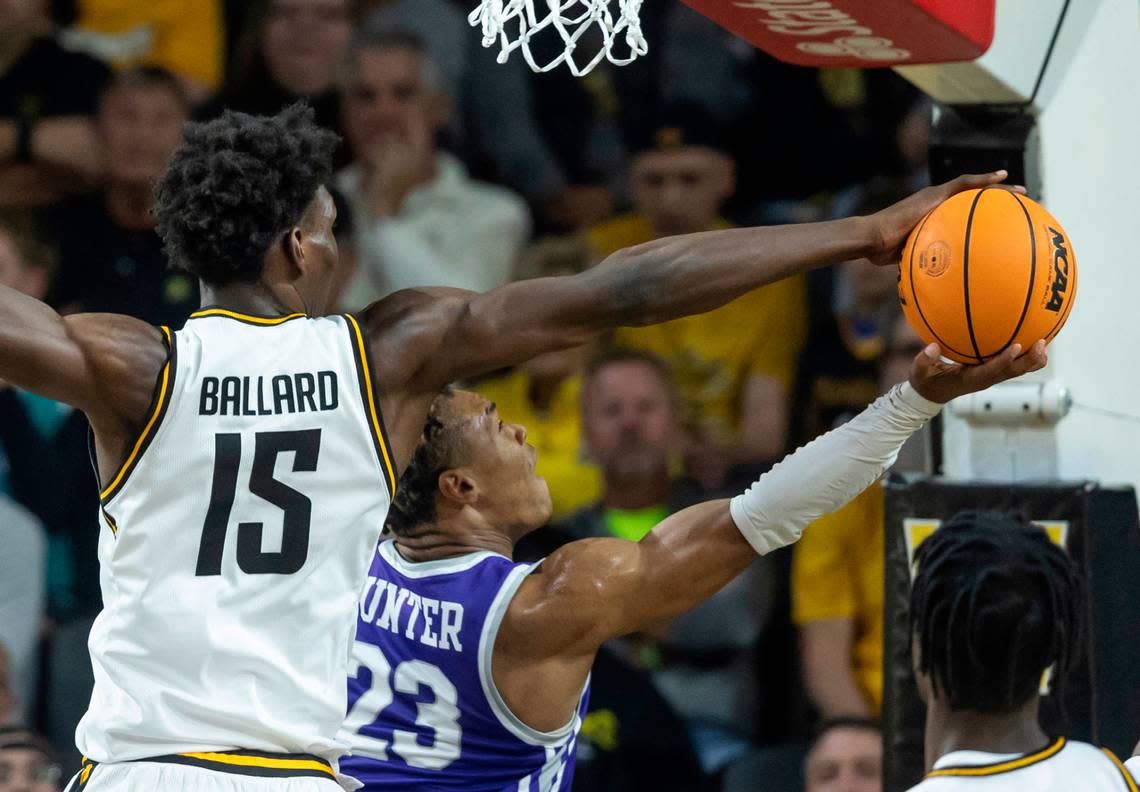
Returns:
(472,672)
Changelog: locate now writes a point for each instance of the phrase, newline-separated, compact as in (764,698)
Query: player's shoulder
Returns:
(574,576)
(1082,754)
(401,305)
(1083,751)
(113,328)
(1096,768)
(1133,766)
(124,353)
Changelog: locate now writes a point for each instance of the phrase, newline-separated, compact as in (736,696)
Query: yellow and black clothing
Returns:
(182,36)
(712,355)
(837,573)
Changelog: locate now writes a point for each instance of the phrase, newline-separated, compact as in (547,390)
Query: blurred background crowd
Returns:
(455,170)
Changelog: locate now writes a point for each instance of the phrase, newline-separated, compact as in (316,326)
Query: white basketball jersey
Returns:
(237,538)
(1065,766)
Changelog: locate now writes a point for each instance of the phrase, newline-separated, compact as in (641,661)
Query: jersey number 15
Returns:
(297,508)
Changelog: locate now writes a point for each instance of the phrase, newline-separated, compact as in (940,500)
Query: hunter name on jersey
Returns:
(434,623)
(278,395)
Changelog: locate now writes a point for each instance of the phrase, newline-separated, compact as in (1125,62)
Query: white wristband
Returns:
(825,474)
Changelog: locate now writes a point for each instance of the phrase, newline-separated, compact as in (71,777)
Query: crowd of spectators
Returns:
(457,171)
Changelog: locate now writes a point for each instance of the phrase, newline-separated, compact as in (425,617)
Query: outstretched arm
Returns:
(103,364)
(592,590)
(462,334)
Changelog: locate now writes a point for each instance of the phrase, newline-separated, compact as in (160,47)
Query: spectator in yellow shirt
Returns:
(544,394)
(837,583)
(734,366)
(182,36)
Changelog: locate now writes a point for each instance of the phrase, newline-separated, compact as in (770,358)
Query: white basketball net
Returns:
(513,23)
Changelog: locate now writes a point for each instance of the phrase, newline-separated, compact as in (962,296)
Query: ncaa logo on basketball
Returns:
(1060,272)
(935,260)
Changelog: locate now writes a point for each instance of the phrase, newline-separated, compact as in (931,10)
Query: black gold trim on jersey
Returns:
(371,397)
(107,518)
(1002,767)
(253,763)
(1129,782)
(163,390)
(82,777)
(250,319)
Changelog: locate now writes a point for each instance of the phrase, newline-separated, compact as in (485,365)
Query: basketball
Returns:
(986,269)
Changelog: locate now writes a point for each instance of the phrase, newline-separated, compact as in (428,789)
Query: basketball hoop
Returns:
(514,23)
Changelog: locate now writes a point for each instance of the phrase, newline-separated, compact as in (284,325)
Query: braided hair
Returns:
(994,603)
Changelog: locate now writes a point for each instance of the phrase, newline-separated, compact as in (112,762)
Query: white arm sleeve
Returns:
(1133,766)
(829,471)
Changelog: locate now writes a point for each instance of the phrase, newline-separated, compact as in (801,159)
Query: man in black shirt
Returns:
(111,259)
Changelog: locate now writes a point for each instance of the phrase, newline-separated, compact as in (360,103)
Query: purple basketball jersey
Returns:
(423,711)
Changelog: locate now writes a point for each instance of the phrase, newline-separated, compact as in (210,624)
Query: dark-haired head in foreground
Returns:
(994,604)
(243,203)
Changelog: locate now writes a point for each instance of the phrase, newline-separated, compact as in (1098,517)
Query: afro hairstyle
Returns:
(235,186)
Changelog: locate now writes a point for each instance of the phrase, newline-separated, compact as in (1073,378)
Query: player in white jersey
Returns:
(994,604)
(234,453)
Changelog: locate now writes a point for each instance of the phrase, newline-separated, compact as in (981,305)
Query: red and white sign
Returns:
(862,33)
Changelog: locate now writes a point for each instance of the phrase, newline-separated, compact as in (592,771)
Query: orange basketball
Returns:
(985,269)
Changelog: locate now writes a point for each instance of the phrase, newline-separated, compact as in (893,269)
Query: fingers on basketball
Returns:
(986,269)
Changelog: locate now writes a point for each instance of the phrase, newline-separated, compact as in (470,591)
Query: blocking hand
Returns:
(940,381)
